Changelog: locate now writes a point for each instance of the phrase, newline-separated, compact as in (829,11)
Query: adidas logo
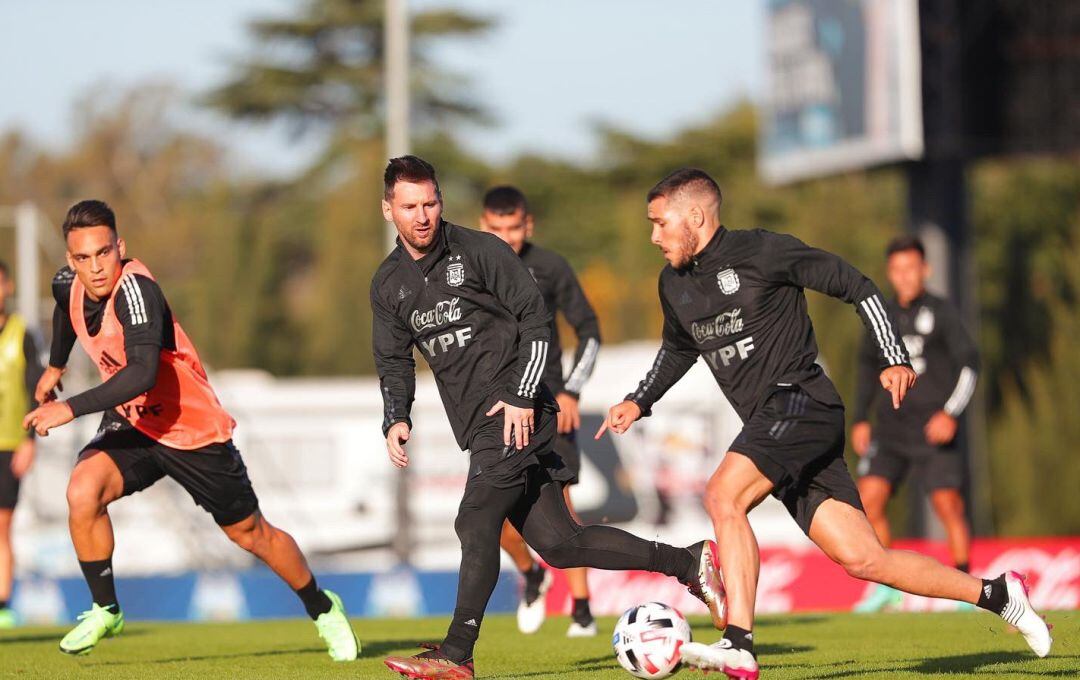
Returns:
(750,636)
(108,570)
(987,590)
(473,623)
(724,643)
(685,299)
(403,293)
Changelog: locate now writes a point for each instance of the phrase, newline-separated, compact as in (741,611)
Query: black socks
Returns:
(315,601)
(672,561)
(964,567)
(994,595)
(99,576)
(461,638)
(740,638)
(581,613)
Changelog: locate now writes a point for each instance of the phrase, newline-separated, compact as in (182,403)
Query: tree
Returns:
(324,67)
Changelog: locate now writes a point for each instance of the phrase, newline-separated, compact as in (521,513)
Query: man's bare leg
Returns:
(735,488)
(7,557)
(277,549)
(875,492)
(95,483)
(845,535)
(949,507)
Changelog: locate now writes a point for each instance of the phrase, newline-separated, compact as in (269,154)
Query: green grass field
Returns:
(963,645)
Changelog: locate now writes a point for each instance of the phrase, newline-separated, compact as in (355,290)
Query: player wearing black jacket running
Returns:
(736,299)
(506,215)
(920,434)
(466,300)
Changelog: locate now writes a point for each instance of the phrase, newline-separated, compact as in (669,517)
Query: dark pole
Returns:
(938,212)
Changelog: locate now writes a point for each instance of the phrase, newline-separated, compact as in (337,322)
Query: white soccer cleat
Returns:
(1019,613)
(721,656)
(576,630)
(533,610)
(708,583)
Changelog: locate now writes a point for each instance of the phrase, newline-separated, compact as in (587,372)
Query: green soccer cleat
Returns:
(94,624)
(8,619)
(334,629)
(880,598)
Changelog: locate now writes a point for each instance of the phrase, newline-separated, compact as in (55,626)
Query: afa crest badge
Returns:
(455,273)
(728,281)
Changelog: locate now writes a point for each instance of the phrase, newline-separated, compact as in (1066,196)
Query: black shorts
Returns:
(492,462)
(798,444)
(567,448)
(934,467)
(9,483)
(214,476)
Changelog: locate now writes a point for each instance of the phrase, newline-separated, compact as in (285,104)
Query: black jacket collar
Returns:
(711,254)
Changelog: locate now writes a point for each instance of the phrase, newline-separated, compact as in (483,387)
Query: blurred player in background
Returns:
(20,369)
(736,298)
(506,215)
(469,304)
(918,436)
(162,419)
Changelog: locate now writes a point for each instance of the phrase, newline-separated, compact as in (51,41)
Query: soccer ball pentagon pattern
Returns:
(648,638)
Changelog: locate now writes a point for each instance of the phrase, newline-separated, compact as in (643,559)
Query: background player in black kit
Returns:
(468,303)
(736,298)
(920,434)
(506,215)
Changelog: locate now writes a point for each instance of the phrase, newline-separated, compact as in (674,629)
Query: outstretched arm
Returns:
(676,356)
(141,310)
(792,261)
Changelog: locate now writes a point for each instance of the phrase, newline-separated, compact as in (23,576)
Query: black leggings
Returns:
(538,510)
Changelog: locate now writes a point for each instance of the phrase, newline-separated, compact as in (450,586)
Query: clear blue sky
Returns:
(548,71)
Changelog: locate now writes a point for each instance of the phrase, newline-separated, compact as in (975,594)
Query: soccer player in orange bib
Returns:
(161,418)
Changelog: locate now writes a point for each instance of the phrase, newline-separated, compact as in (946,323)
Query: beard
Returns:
(688,245)
(419,244)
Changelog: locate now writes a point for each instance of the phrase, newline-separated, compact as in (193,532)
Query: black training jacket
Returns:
(740,304)
(478,319)
(943,355)
(562,293)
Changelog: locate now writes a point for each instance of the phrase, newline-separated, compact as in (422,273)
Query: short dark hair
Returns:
(412,169)
(904,243)
(505,200)
(90,213)
(685,179)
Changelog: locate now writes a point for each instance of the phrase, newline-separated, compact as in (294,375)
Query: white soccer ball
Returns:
(648,638)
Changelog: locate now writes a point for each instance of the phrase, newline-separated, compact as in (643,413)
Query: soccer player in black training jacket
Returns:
(736,299)
(506,215)
(920,434)
(468,303)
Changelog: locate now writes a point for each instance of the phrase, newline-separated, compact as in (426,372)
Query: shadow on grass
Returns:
(972,663)
(959,665)
(52,637)
(608,662)
(210,657)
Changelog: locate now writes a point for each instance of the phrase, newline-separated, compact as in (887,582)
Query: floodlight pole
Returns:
(26,257)
(396,32)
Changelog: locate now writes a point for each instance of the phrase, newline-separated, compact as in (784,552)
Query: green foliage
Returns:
(325,66)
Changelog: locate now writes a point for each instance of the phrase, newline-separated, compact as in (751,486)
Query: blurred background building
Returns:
(243,148)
